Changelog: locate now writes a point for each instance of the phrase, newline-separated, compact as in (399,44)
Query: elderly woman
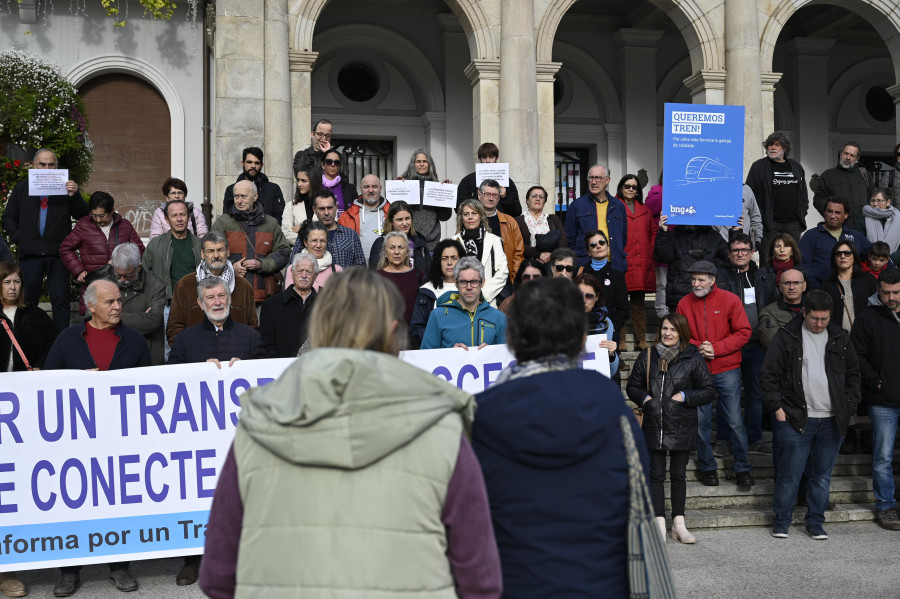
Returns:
(332,490)
(641,275)
(669,382)
(313,236)
(176,189)
(474,233)
(427,219)
(541,232)
(614,287)
(440,281)
(598,322)
(394,266)
(531,269)
(399,218)
(783,254)
(309,182)
(551,444)
(882,218)
(344,191)
(29,326)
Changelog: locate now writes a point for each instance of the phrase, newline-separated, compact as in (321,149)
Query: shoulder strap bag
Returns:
(16,344)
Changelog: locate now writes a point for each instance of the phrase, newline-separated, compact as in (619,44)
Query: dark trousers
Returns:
(795,229)
(677,466)
(33,270)
(112,566)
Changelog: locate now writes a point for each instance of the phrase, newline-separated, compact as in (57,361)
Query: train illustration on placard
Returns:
(702,169)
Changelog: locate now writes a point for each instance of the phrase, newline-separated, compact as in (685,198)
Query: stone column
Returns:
(615,153)
(707,86)
(546,73)
(435,126)
(742,82)
(240,104)
(811,144)
(894,90)
(768,81)
(518,91)
(301,66)
(637,53)
(278,141)
(485,78)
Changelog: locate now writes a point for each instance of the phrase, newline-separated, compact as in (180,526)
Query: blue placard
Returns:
(703,164)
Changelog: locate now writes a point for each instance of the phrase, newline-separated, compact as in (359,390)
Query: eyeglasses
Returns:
(476,283)
(792,283)
(629,186)
(597,178)
(594,244)
(564,267)
(538,195)
(323,135)
(332,162)
(741,251)
(491,195)
(99,217)
(877,200)
(845,253)
(590,296)
(530,277)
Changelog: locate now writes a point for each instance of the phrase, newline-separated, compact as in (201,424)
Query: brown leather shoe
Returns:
(187,575)
(11,586)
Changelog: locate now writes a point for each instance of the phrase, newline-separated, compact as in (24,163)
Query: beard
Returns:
(223,315)
(701,292)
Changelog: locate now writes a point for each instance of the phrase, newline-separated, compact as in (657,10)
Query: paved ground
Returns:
(859,560)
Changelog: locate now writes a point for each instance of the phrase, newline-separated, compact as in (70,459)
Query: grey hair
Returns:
(42,150)
(467,263)
(488,183)
(252,185)
(215,238)
(90,294)
(300,256)
(603,166)
(410,172)
(212,283)
(125,256)
(383,260)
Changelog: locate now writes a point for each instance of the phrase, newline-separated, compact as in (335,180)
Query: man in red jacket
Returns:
(719,329)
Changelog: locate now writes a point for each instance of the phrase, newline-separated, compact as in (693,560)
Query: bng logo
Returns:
(682,210)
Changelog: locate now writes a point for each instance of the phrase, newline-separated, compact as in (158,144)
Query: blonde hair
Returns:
(358,309)
(477,207)
(383,260)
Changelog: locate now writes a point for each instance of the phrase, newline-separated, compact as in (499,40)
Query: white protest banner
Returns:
(498,171)
(440,195)
(47,182)
(402,191)
(122,465)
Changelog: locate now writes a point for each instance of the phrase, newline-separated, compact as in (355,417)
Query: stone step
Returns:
(761,516)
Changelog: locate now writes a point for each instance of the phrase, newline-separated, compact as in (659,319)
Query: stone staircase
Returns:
(726,506)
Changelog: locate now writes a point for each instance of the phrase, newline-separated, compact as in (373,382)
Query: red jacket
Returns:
(641,273)
(94,249)
(720,318)
(350,217)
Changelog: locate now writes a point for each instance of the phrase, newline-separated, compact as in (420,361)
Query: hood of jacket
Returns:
(450,299)
(550,420)
(345,408)
(260,178)
(253,217)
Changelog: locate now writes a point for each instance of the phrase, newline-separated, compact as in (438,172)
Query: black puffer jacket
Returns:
(670,424)
(681,247)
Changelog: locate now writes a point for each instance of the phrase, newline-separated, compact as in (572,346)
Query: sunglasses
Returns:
(594,244)
(845,253)
(629,186)
(530,277)
(590,296)
(332,162)
(563,267)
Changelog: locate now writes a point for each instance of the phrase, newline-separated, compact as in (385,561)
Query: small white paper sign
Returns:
(48,182)
(402,191)
(440,195)
(498,171)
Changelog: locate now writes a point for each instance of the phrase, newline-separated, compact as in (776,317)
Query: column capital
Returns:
(769,80)
(302,61)
(482,69)
(637,38)
(809,46)
(546,71)
(704,80)
(614,132)
(434,120)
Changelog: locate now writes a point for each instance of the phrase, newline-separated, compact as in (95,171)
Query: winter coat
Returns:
(34,331)
(555,225)
(421,256)
(863,285)
(203,342)
(93,248)
(143,305)
(615,293)
(764,289)
(196,221)
(293,215)
(781,377)
(157,258)
(815,247)
(496,268)
(21,221)
(760,177)
(468,190)
(853,184)
(268,195)
(876,337)
(581,219)
(669,424)
(450,323)
(641,273)
(771,318)
(283,323)
(681,247)
(185,312)
(425,301)
(718,317)
(350,217)
(70,351)
(513,244)
(553,457)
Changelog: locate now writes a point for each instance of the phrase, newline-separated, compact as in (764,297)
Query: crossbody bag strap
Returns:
(15,343)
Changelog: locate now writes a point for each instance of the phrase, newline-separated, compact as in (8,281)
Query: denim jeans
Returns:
(751,364)
(33,270)
(884,432)
(818,445)
(728,388)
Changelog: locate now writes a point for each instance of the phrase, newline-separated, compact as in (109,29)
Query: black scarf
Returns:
(473,239)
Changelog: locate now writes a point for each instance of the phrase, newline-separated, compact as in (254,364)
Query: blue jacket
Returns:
(581,219)
(203,342)
(553,458)
(450,324)
(816,245)
(70,351)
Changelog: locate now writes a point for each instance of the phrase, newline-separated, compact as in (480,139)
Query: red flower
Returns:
(17,162)
(8,165)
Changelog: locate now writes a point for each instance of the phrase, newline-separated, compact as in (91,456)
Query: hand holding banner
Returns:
(47,182)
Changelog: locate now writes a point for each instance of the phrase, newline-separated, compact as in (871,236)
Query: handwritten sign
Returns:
(440,195)
(48,182)
(402,191)
(498,171)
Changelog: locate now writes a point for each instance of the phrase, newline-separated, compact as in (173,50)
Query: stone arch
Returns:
(100,65)
(594,75)
(481,33)
(404,55)
(704,46)
(852,77)
(673,81)
(882,15)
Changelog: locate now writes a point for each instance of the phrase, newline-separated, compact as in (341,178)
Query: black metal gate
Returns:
(366,156)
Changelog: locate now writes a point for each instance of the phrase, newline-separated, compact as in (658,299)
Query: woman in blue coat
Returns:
(551,448)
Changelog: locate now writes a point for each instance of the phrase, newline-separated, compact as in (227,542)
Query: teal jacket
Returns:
(450,324)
